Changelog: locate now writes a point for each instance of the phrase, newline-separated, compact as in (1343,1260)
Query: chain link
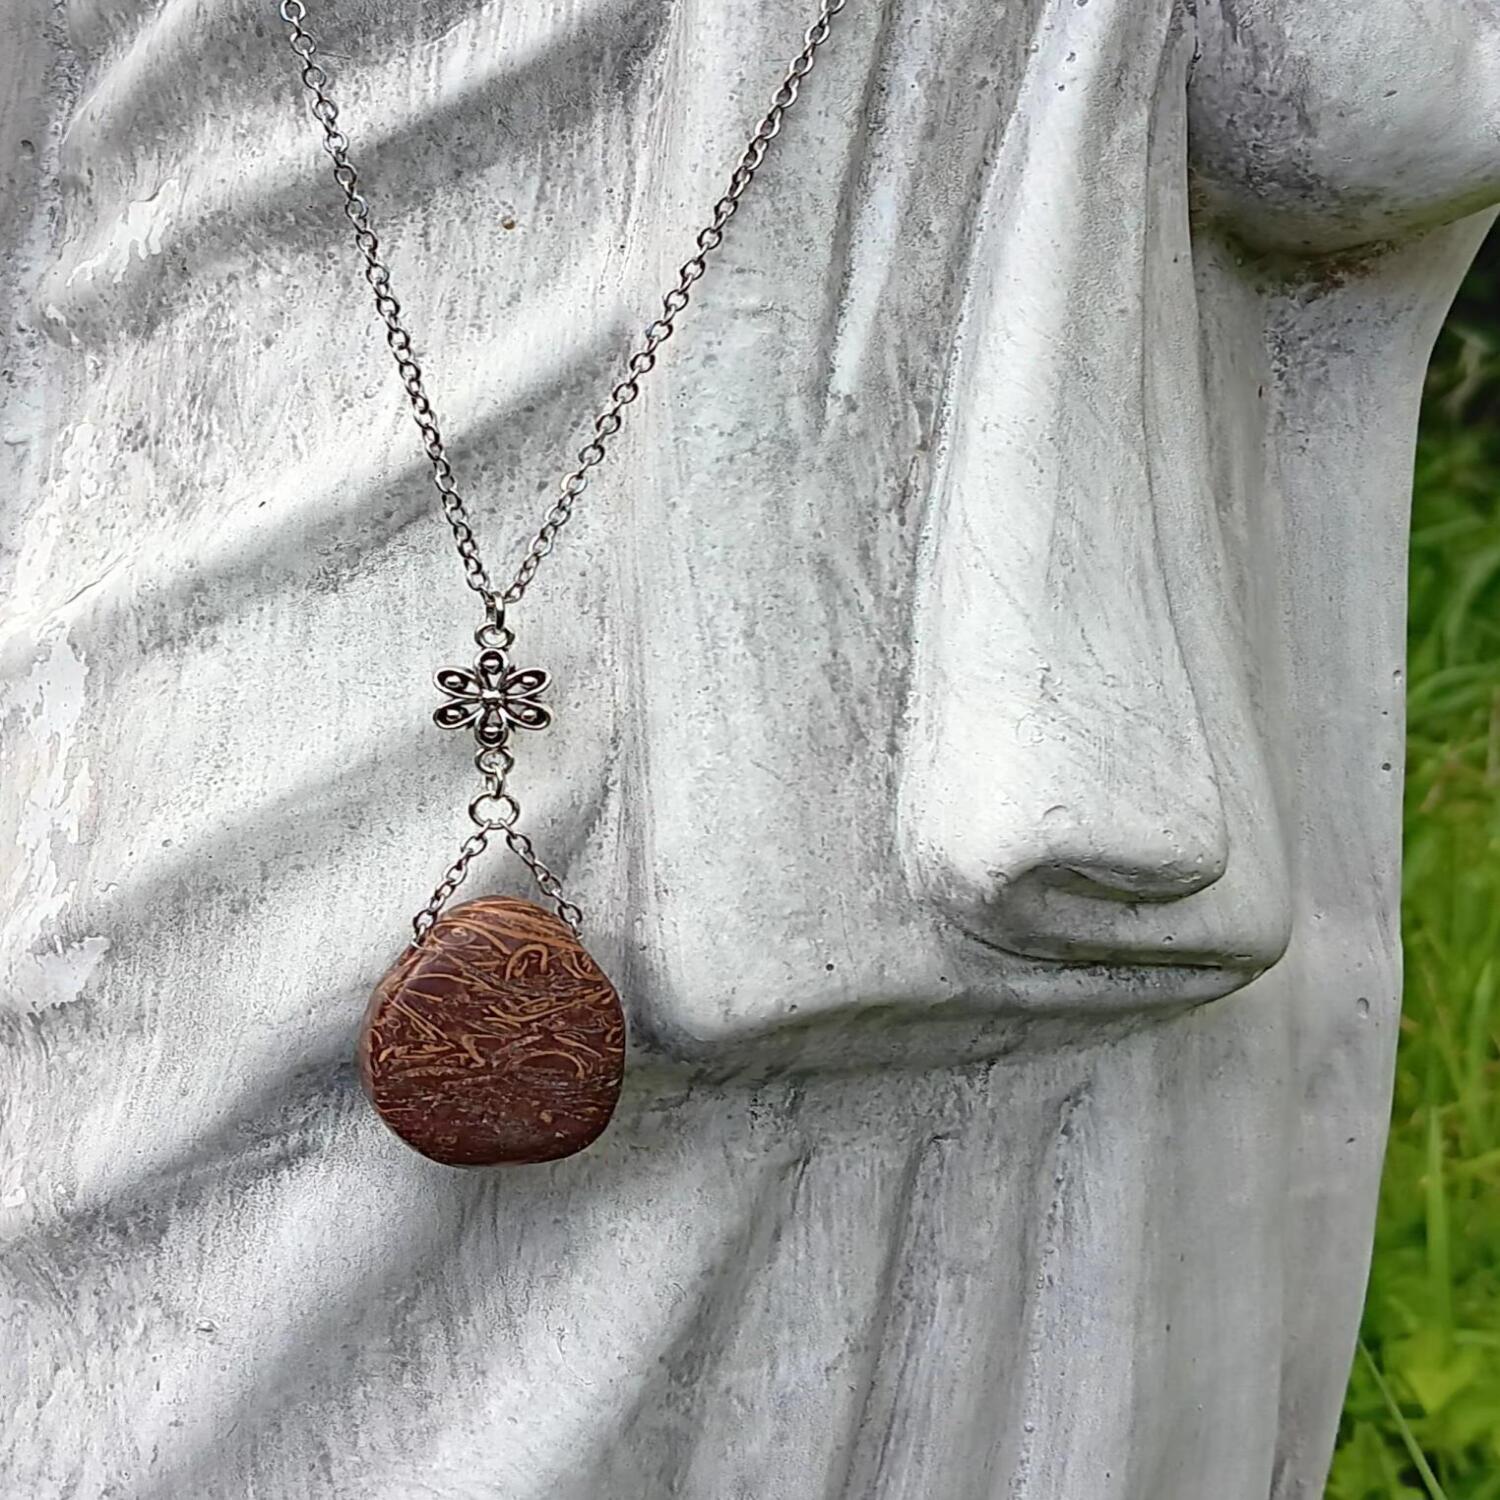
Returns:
(607,422)
(471,848)
(495,810)
(377,273)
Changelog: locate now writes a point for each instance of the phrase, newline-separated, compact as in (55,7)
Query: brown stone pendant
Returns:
(498,1040)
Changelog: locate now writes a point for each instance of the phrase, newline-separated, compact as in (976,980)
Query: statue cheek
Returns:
(1310,136)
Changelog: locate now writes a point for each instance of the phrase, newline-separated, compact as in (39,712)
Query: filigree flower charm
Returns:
(492,697)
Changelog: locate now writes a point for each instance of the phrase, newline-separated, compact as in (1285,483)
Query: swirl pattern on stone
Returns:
(498,1040)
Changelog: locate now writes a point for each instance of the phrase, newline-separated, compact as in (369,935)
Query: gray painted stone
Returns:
(984,648)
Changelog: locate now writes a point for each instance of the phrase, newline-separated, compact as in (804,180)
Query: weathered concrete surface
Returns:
(985,645)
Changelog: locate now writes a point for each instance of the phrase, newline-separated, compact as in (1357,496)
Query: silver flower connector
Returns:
(493,697)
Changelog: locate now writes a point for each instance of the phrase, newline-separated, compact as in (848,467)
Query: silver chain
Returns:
(315,79)
(500,818)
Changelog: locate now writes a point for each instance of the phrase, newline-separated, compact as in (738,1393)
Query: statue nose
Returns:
(1081,775)
(1062,813)
(1116,852)
(1066,838)
(1060,794)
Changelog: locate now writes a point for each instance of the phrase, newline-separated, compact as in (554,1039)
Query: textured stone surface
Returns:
(497,1041)
(982,646)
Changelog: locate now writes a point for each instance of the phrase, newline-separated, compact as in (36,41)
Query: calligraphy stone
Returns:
(497,1040)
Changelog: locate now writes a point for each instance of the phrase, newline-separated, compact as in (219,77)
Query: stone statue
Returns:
(978,677)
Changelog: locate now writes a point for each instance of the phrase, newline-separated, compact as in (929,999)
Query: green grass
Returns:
(1422,1416)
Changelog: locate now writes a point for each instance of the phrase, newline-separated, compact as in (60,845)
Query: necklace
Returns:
(495,1037)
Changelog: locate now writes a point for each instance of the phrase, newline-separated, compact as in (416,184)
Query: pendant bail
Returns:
(494,633)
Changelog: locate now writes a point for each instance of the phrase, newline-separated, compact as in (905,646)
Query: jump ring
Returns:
(505,818)
(494,760)
(494,632)
(488,635)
